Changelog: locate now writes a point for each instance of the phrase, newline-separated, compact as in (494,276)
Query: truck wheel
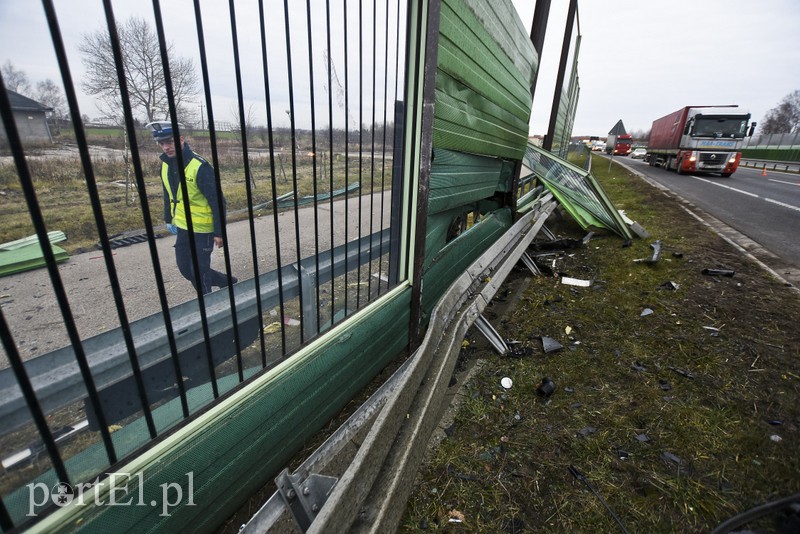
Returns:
(726,174)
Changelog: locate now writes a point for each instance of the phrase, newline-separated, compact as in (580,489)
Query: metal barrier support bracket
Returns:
(304,497)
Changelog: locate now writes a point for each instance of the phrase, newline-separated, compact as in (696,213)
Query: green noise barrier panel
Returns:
(247,442)
(458,179)
(483,100)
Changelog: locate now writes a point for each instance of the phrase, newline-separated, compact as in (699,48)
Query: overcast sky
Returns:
(639,60)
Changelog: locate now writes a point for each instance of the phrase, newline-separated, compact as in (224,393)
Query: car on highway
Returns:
(638,153)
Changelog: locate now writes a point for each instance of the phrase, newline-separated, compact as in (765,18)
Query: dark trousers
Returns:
(204,244)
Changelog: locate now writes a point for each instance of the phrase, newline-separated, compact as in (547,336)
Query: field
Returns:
(63,195)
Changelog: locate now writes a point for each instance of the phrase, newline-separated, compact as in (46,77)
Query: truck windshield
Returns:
(730,127)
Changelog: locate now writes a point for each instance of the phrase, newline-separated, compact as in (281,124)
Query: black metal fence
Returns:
(312,174)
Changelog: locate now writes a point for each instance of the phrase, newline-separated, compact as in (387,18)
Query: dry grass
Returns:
(63,196)
(704,398)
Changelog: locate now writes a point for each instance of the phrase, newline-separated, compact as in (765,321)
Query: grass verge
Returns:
(679,419)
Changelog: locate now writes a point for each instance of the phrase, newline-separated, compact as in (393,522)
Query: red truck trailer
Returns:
(699,139)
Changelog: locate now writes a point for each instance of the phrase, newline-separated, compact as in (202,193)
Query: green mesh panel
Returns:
(458,179)
(483,100)
(244,449)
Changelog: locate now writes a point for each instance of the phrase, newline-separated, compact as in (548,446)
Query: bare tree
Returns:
(15,80)
(144,73)
(785,117)
(50,94)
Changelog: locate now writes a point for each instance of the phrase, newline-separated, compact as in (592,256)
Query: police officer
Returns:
(203,204)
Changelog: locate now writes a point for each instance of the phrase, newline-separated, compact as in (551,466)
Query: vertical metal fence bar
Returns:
(314,158)
(246,158)
(330,142)
(372,153)
(5,520)
(91,186)
(398,140)
(292,126)
(427,99)
(265,67)
(383,158)
(30,398)
(360,142)
(346,158)
(26,182)
(173,113)
(140,185)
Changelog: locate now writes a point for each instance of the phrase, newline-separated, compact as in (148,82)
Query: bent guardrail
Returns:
(373,489)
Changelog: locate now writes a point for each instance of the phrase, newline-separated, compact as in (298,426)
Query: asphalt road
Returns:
(764,209)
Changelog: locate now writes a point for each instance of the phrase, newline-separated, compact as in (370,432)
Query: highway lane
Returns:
(764,208)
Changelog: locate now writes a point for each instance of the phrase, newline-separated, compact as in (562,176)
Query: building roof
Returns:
(23,103)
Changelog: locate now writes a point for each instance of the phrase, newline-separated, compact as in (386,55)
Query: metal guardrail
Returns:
(57,378)
(772,165)
(372,490)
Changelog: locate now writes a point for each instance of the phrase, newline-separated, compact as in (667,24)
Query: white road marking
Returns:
(782,182)
(779,203)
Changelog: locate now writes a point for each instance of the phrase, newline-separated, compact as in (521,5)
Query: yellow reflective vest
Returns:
(202,216)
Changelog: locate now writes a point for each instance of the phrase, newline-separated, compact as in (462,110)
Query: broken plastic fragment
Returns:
(506,382)
(273,327)
(568,281)
(568,330)
(642,438)
(668,456)
(646,312)
(776,438)
(718,272)
(550,345)
(670,285)
(682,372)
(587,431)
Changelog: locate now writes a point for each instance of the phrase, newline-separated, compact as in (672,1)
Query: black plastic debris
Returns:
(682,372)
(775,422)
(623,454)
(677,255)
(516,350)
(450,430)
(627,243)
(546,388)
(664,385)
(669,457)
(581,477)
(669,285)
(557,244)
(718,272)
(638,367)
(551,345)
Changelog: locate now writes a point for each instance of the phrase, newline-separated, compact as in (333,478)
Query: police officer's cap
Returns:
(161,130)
